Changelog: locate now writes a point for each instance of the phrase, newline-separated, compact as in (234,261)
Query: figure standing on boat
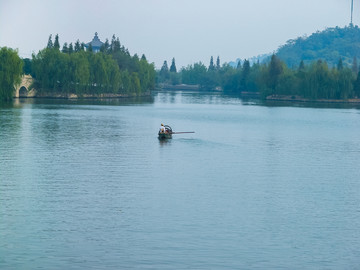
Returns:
(162,129)
(165,132)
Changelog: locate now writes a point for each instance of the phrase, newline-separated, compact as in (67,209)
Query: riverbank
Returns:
(185,87)
(301,99)
(56,95)
(33,93)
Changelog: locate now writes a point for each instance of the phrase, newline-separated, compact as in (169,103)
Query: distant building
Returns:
(95,43)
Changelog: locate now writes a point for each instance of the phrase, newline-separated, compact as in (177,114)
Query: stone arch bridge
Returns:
(23,89)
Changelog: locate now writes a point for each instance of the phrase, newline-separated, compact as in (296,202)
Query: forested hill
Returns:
(329,45)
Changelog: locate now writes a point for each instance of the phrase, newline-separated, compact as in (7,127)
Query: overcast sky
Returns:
(188,30)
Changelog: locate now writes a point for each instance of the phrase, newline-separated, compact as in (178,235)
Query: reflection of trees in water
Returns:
(10,125)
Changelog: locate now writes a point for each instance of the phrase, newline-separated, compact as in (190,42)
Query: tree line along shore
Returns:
(273,80)
(113,71)
(74,70)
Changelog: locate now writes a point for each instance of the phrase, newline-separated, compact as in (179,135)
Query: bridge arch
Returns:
(23,91)
(23,88)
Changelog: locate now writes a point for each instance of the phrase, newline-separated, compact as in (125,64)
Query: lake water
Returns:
(87,185)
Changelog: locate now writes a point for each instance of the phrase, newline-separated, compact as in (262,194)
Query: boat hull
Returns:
(164,136)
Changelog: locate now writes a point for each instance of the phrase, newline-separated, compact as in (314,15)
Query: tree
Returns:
(71,48)
(164,72)
(218,63)
(27,66)
(229,78)
(173,66)
(195,74)
(355,67)
(81,71)
(112,46)
(357,86)
(106,46)
(340,65)
(245,72)
(345,83)
(117,46)
(318,81)
(65,48)
(10,70)
(135,86)
(238,66)
(98,72)
(211,66)
(50,43)
(56,43)
(77,46)
(275,70)
(301,66)
(125,79)
(90,49)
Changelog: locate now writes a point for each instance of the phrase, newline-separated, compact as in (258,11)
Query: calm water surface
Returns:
(87,185)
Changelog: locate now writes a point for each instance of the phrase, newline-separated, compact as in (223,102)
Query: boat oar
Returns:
(182,132)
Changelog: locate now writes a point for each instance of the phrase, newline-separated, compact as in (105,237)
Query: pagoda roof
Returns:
(95,43)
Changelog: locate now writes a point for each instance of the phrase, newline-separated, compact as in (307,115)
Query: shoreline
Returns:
(306,100)
(286,98)
(46,95)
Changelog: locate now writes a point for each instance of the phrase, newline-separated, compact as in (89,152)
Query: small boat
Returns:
(167,134)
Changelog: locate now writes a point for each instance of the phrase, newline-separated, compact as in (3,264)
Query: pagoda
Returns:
(95,43)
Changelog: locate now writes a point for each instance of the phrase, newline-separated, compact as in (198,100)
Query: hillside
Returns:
(329,45)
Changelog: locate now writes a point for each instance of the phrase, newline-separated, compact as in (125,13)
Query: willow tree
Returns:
(10,71)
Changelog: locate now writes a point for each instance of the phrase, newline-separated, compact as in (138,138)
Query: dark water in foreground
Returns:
(87,185)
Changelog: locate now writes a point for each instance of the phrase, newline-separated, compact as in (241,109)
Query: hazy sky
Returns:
(189,30)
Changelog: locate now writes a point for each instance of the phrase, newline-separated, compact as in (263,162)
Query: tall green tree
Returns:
(81,72)
(77,46)
(46,69)
(244,77)
(135,86)
(65,48)
(71,48)
(211,65)
(27,69)
(164,72)
(275,70)
(238,66)
(173,66)
(106,47)
(318,80)
(218,63)
(345,83)
(355,67)
(56,42)
(50,43)
(10,71)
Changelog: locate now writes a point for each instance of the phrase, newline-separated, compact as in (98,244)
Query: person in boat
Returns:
(162,129)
